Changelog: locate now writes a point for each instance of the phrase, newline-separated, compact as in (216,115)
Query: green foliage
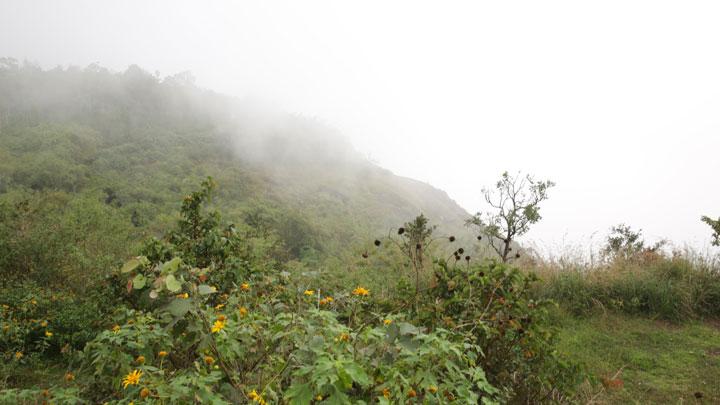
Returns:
(671,288)
(490,306)
(715,225)
(626,244)
(232,333)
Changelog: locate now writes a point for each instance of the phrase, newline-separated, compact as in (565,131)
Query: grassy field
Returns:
(657,362)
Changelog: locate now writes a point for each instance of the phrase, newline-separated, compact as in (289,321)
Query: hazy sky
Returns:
(616,101)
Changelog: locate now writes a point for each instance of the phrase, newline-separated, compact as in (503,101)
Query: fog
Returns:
(617,102)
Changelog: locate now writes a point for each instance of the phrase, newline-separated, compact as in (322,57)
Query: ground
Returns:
(657,362)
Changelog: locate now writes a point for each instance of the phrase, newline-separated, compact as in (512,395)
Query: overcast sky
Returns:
(618,102)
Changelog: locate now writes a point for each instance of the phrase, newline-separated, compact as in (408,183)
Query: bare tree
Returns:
(516,205)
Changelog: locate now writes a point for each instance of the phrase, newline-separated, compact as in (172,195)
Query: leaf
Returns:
(408,329)
(171,266)
(299,394)
(139,281)
(179,307)
(205,289)
(357,374)
(130,265)
(172,284)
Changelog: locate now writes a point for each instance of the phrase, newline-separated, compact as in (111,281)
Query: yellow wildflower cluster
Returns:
(362,292)
(243,311)
(309,292)
(254,396)
(387,322)
(162,353)
(326,300)
(245,287)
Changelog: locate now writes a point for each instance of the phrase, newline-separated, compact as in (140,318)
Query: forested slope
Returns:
(137,143)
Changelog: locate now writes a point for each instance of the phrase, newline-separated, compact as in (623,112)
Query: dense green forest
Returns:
(161,243)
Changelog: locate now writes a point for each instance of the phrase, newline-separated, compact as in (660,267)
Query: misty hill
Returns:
(138,143)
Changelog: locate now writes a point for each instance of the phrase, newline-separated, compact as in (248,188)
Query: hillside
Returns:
(139,143)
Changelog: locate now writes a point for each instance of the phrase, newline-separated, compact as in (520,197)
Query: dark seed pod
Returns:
(509,249)
(457,257)
(451,239)
(461,251)
(467,258)
(365,255)
(377,242)
(401,231)
(510,289)
(418,246)
(482,274)
(517,255)
(479,237)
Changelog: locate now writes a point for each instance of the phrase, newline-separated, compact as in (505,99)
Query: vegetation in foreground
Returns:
(283,302)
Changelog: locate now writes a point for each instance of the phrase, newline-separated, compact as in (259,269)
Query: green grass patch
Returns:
(658,362)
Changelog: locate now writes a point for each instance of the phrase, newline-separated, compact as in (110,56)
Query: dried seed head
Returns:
(401,231)
(365,255)
(377,242)
(509,249)
(517,255)
(457,257)
(461,251)
(467,258)
(479,237)
(418,246)
(482,274)
(451,239)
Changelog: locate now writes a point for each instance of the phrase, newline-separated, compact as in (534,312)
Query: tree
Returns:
(715,225)
(516,206)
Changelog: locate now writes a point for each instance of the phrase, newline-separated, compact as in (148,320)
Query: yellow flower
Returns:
(309,292)
(319,397)
(254,396)
(386,392)
(43,324)
(209,360)
(243,311)
(218,326)
(18,355)
(411,393)
(221,317)
(140,359)
(183,296)
(245,287)
(326,300)
(162,353)
(133,378)
(116,328)
(433,389)
(48,333)
(33,301)
(219,307)
(144,393)
(387,322)
(360,291)
(344,337)
(69,376)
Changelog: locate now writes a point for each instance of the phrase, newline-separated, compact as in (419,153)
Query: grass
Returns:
(658,362)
